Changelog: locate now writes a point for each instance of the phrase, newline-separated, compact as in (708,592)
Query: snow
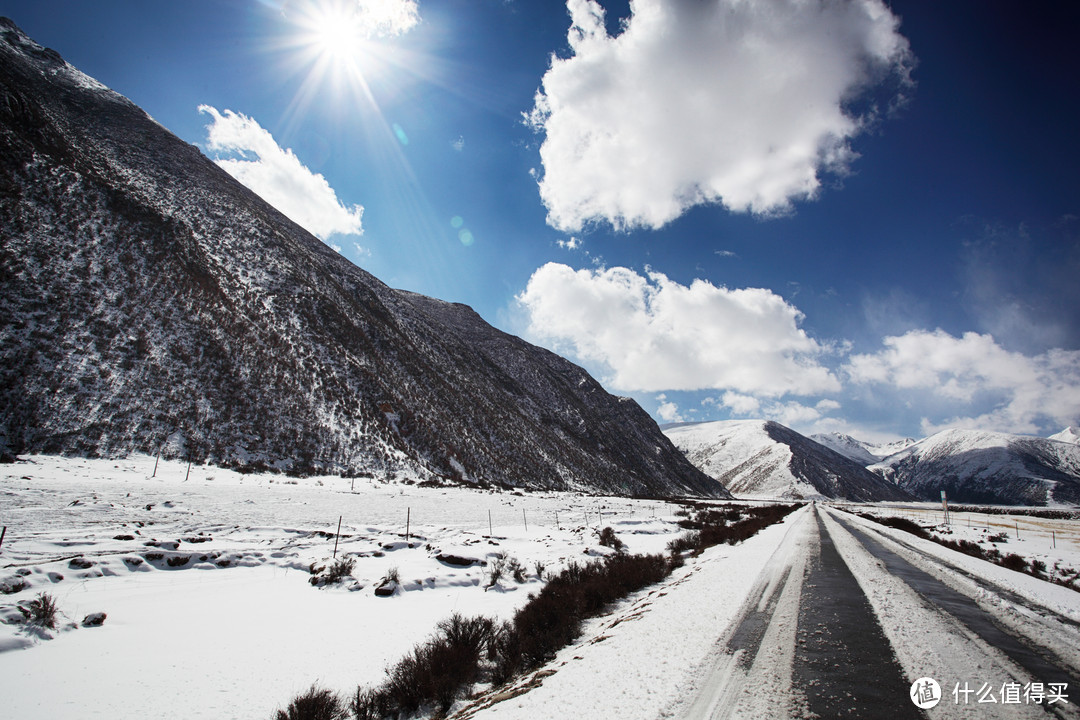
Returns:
(999,467)
(1069,435)
(847,446)
(202,640)
(634,663)
(926,644)
(206,641)
(743,456)
(1055,542)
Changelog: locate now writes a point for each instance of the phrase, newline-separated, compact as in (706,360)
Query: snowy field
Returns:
(205,579)
(1053,542)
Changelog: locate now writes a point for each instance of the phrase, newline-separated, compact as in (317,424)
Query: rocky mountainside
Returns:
(150,302)
(979,466)
(758,458)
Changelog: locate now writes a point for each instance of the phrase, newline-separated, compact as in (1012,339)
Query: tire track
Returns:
(1041,664)
(844,665)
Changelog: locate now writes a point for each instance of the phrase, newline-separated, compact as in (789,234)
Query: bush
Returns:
(552,619)
(608,538)
(496,570)
(340,569)
(434,672)
(43,610)
(516,569)
(314,704)
(727,524)
(1014,562)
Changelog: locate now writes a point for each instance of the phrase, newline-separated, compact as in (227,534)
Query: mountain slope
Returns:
(861,452)
(755,458)
(152,302)
(987,467)
(1069,435)
(847,446)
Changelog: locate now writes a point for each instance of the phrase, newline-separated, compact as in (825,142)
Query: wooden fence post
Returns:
(338,535)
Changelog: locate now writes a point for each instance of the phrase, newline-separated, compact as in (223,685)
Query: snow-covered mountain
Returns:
(1069,435)
(847,446)
(149,301)
(758,458)
(987,467)
(861,452)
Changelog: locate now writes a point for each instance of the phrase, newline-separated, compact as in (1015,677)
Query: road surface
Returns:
(844,619)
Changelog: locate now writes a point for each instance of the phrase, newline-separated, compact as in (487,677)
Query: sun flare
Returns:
(334,31)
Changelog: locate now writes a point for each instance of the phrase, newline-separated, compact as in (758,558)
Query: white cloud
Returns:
(278,176)
(572,244)
(1004,390)
(668,411)
(337,25)
(790,413)
(655,334)
(739,102)
(827,405)
(386,18)
(739,404)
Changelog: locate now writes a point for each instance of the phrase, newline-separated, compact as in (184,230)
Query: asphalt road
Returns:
(843,620)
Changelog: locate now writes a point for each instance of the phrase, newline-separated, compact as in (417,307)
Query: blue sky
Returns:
(850,216)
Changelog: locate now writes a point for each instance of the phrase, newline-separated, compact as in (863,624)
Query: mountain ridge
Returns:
(762,458)
(983,466)
(155,304)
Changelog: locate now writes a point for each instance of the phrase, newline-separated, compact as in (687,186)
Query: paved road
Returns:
(844,619)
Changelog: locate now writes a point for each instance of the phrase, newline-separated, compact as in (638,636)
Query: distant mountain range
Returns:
(764,459)
(862,452)
(758,458)
(979,466)
(152,303)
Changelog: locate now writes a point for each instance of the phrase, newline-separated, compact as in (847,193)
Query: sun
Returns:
(334,32)
(341,55)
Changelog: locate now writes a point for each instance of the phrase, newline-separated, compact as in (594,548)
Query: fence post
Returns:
(408,523)
(525,519)
(338,535)
(2,534)
(491,533)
